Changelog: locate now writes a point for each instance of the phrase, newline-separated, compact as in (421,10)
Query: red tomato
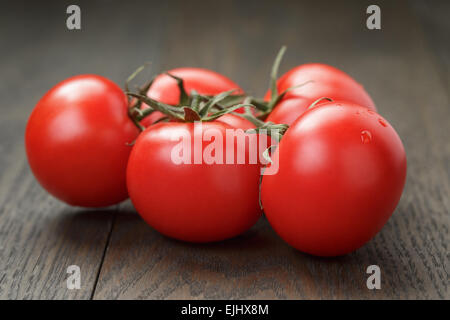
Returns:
(76,141)
(191,202)
(326,82)
(206,82)
(342,170)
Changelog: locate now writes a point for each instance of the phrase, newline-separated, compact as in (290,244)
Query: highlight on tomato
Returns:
(76,141)
(342,170)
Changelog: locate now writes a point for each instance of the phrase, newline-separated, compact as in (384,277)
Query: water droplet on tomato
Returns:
(366,136)
(382,122)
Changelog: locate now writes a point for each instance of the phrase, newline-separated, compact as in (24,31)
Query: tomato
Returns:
(342,169)
(196,202)
(206,82)
(326,81)
(76,141)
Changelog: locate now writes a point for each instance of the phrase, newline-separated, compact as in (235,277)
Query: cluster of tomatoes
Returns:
(341,166)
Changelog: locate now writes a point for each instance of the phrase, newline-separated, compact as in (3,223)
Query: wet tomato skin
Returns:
(76,141)
(191,202)
(325,81)
(342,170)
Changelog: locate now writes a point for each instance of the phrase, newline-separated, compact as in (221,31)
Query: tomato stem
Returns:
(184,97)
(136,122)
(134,74)
(274,74)
(312,105)
(197,107)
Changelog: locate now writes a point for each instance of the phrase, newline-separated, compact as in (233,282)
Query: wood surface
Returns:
(404,66)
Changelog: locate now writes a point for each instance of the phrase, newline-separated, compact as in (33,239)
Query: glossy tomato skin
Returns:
(327,81)
(342,170)
(207,82)
(191,202)
(76,141)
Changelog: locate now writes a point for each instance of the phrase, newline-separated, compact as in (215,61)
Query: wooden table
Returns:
(404,66)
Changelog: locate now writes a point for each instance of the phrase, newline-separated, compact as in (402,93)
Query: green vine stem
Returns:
(312,105)
(266,107)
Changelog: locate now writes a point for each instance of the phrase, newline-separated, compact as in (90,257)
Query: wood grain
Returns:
(404,67)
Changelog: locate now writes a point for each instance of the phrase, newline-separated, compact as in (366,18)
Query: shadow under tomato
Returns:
(83,226)
(255,237)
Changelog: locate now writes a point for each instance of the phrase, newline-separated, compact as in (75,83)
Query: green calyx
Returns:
(266,107)
(193,107)
(275,131)
(200,108)
(197,107)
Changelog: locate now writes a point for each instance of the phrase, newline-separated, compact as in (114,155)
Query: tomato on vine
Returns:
(342,169)
(194,200)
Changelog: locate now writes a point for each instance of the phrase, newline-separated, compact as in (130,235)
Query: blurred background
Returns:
(404,67)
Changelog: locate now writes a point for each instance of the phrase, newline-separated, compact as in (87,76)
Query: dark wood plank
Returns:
(396,66)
